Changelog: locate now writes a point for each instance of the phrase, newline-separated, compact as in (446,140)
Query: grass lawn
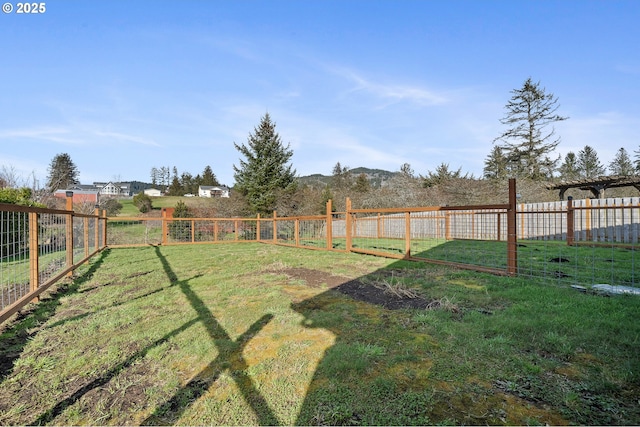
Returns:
(261,334)
(129,209)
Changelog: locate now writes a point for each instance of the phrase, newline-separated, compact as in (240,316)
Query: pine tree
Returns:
(175,189)
(442,174)
(265,170)
(341,177)
(495,166)
(569,170)
(208,177)
(621,164)
(636,162)
(527,144)
(154,176)
(362,184)
(589,164)
(62,173)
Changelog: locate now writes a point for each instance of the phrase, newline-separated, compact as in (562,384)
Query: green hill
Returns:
(377,177)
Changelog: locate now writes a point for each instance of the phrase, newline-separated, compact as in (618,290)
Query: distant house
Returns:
(121,189)
(213,191)
(153,192)
(112,190)
(93,192)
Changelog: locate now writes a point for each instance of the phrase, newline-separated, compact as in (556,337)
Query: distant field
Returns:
(128,209)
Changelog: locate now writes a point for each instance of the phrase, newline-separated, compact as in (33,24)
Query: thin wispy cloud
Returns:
(390,93)
(180,87)
(50,134)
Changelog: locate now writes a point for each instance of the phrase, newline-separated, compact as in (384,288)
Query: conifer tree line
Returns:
(525,149)
(168,179)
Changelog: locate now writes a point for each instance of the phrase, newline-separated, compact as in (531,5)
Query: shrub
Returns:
(142,202)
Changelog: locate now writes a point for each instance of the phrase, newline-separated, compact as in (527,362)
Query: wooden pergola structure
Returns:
(598,185)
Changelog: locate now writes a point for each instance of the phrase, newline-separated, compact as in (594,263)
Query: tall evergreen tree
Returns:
(442,174)
(569,169)
(495,166)
(62,173)
(154,176)
(175,189)
(621,164)
(636,162)
(589,164)
(265,170)
(527,144)
(341,177)
(362,184)
(208,177)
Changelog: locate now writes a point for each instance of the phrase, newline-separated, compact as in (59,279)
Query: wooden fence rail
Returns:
(482,238)
(39,246)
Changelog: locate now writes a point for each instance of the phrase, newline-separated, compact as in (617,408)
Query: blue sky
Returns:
(123,86)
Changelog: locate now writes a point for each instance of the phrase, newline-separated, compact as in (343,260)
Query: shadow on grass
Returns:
(228,351)
(16,336)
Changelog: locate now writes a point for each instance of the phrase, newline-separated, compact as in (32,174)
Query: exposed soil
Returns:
(355,289)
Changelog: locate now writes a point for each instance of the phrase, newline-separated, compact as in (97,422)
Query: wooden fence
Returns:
(482,238)
(39,246)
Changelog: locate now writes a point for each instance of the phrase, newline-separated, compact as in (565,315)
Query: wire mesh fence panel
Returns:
(133,231)
(92,223)
(266,230)
(383,234)
(470,237)
(204,230)
(285,231)
(179,230)
(78,239)
(313,233)
(542,221)
(246,230)
(603,248)
(226,231)
(53,244)
(14,256)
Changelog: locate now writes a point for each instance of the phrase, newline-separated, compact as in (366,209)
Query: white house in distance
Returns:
(213,191)
(153,192)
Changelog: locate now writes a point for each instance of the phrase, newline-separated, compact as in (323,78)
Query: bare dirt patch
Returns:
(357,289)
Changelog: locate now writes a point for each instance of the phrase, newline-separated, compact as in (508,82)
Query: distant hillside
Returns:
(377,177)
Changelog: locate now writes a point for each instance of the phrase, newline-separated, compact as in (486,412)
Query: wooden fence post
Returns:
(69,231)
(329,225)
(258,227)
(447,225)
(34,275)
(348,225)
(275,227)
(407,234)
(96,231)
(512,239)
(85,223)
(104,228)
(165,229)
(587,219)
(570,221)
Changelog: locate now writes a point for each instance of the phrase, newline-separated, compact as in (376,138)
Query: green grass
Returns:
(232,334)
(128,208)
